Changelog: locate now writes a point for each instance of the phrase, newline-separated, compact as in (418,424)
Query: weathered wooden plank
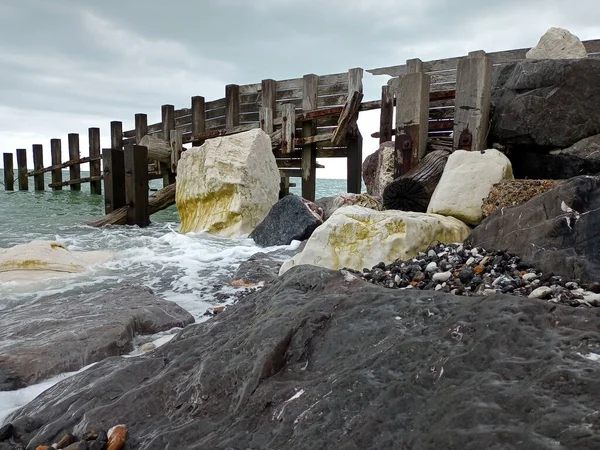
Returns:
(94,179)
(310,84)
(288,128)
(473,97)
(288,94)
(217,122)
(266,119)
(38,164)
(141,126)
(232,108)
(251,99)
(328,152)
(249,108)
(176,143)
(249,117)
(56,154)
(332,100)
(62,165)
(414,65)
(347,120)
(297,102)
(9,172)
(214,113)
(216,104)
(74,155)
(412,113)
(183,112)
(386,118)
(250,88)
(355,141)
(268,105)
(319,137)
(333,89)
(441,113)
(95,158)
(295,83)
(136,185)
(198,119)
(22,169)
(113,164)
(183,120)
(335,78)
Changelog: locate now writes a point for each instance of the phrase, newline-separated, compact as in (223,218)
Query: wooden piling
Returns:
(22,169)
(268,105)
(141,127)
(198,119)
(288,128)
(310,84)
(116,135)
(56,154)
(412,119)
(386,120)
(38,164)
(9,172)
(232,105)
(354,158)
(74,155)
(176,142)
(136,185)
(113,162)
(168,123)
(95,155)
(472,105)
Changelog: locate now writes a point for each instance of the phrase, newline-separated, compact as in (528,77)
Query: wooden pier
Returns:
(439,105)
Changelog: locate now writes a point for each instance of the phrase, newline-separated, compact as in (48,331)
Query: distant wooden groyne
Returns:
(440,104)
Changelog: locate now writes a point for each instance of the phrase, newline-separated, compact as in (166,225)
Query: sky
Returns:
(67,65)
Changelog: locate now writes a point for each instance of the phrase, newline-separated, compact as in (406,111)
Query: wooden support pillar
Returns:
(288,127)
(95,171)
(386,121)
(354,158)
(38,164)
(113,162)
(176,142)
(116,135)
(168,123)
(472,104)
(56,153)
(74,155)
(136,185)
(141,127)
(310,84)
(268,108)
(284,185)
(22,169)
(232,106)
(412,120)
(198,119)
(9,172)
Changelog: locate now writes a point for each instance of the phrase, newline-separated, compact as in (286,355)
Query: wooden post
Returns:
(268,105)
(168,123)
(74,155)
(56,153)
(198,119)
(414,65)
(354,158)
(412,119)
(113,162)
(176,142)
(310,84)
(472,104)
(386,121)
(9,172)
(95,171)
(38,164)
(116,135)
(22,169)
(288,127)
(232,106)
(141,127)
(136,185)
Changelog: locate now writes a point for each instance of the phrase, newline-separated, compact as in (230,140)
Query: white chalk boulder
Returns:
(558,43)
(228,185)
(467,179)
(45,259)
(356,237)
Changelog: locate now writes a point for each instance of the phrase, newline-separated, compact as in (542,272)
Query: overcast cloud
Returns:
(66,65)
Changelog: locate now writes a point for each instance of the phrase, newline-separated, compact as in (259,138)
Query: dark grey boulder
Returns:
(320,359)
(291,218)
(582,158)
(546,104)
(57,334)
(259,268)
(558,231)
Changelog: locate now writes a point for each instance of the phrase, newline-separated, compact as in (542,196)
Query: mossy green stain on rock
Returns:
(213,212)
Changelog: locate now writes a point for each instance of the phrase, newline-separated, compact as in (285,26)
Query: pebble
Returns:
(463,270)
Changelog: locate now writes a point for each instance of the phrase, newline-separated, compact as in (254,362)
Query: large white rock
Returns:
(41,259)
(467,179)
(558,43)
(228,185)
(358,237)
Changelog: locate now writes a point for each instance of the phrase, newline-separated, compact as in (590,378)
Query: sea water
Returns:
(193,269)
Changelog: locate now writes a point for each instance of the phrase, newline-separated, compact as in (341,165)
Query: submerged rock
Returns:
(322,359)
(57,334)
(357,237)
(228,185)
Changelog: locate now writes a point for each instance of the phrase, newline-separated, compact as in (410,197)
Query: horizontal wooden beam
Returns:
(78,181)
(64,165)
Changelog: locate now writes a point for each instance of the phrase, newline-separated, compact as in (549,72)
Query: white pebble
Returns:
(474,252)
(470,261)
(431,267)
(431,253)
(571,285)
(441,276)
(397,279)
(541,292)
(530,276)
(460,248)
(438,287)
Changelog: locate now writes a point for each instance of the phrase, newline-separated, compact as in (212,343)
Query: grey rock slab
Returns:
(321,359)
(57,334)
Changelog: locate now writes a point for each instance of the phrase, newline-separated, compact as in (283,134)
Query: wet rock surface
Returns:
(322,359)
(260,268)
(59,334)
(514,192)
(471,271)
